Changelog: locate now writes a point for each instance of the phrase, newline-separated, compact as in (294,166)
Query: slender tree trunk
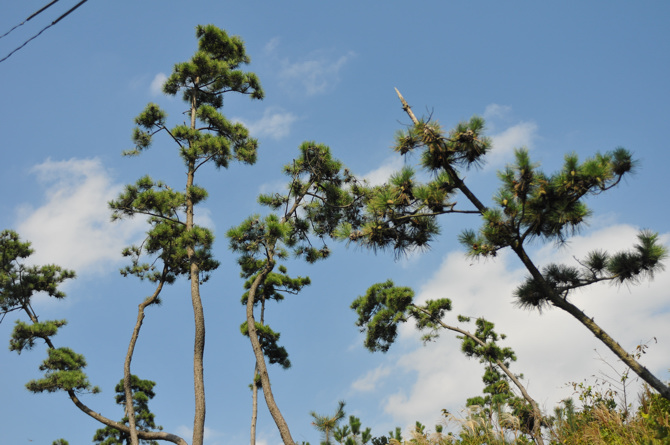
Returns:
(130,408)
(254,388)
(254,406)
(198,313)
(260,358)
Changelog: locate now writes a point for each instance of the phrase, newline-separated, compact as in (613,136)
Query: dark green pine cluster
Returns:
(210,137)
(401,214)
(532,204)
(167,238)
(212,71)
(629,266)
(63,368)
(273,287)
(143,392)
(385,306)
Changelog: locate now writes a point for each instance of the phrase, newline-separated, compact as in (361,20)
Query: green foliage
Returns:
(601,420)
(385,305)
(142,392)
(379,311)
(316,202)
(351,434)
(18,282)
(24,334)
(551,207)
(464,146)
(644,260)
(213,71)
(328,424)
(499,401)
(268,340)
(63,368)
(62,372)
(168,238)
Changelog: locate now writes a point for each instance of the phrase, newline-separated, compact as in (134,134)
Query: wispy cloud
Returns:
(318,73)
(72,227)
(275,123)
(518,135)
(496,111)
(272,45)
(552,348)
(156,87)
(381,174)
(370,380)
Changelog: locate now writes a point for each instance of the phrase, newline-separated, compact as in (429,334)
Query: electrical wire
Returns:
(33,15)
(45,28)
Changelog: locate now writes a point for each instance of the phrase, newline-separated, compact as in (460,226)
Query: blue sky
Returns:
(556,78)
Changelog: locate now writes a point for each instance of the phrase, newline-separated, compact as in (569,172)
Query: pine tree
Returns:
(385,306)
(327,424)
(321,194)
(530,205)
(143,391)
(498,394)
(209,138)
(63,368)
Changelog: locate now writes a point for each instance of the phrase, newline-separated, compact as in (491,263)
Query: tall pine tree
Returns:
(208,138)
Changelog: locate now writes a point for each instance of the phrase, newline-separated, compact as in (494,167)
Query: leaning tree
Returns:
(530,206)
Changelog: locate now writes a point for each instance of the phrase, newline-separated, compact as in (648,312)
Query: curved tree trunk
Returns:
(130,408)
(260,358)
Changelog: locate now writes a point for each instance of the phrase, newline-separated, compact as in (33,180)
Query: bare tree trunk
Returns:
(260,358)
(254,406)
(254,388)
(130,409)
(198,313)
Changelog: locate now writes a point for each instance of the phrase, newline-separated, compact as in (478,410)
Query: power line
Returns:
(45,28)
(32,15)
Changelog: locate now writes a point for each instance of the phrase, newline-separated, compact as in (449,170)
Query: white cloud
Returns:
(316,75)
(203,218)
(278,186)
(156,87)
(552,348)
(496,111)
(380,175)
(370,380)
(520,135)
(275,124)
(73,228)
(272,45)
